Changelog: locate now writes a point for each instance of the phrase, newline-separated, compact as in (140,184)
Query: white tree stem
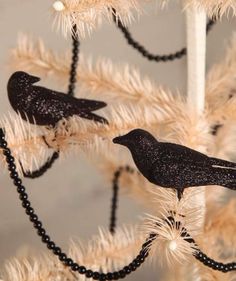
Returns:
(196,46)
(196,54)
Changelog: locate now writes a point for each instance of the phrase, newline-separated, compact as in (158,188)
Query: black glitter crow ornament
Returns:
(175,166)
(46,107)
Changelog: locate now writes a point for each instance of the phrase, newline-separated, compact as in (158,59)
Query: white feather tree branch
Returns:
(104,251)
(88,14)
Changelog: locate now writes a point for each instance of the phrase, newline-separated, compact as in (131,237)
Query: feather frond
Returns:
(221,87)
(122,84)
(33,57)
(104,252)
(216,8)
(28,147)
(88,14)
(169,246)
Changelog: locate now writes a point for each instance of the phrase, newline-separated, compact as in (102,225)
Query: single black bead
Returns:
(75,267)
(127,269)
(122,273)
(133,266)
(10,160)
(170,57)
(68,262)
(140,258)
(6,151)
(23,196)
(82,270)
(109,276)
(89,273)
(20,189)
(11,166)
(57,251)
(225,269)
(164,58)
(45,238)
(116,275)
(96,275)
(33,218)
(29,211)
(38,225)
(17,182)
(4,145)
(62,257)
(25,203)
(102,277)
(137,262)
(51,245)
(13,174)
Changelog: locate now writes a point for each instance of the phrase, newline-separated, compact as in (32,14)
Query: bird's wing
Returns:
(50,109)
(171,152)
(219,163)
(85,105)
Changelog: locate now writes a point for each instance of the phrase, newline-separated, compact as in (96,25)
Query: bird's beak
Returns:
(120,140)
(34,79)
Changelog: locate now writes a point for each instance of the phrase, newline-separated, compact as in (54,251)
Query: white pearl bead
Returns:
(173,245)
(58,6)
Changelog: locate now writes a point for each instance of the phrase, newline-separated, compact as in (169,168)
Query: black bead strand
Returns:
(45,238)
(71,87)
(74,62)
(140,258)
(143,51)
(115,190)
(43,169)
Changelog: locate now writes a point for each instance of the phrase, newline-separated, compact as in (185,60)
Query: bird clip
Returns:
(45,107)
(175,166)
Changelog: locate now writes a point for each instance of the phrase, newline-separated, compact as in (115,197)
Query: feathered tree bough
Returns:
(134,101)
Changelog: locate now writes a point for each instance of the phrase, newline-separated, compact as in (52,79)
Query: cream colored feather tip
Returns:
(88,14)
(104,252)
(221,88)
(169,247)
(215,8)
(26,142)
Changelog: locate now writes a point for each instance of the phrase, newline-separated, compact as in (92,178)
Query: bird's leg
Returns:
(180,192)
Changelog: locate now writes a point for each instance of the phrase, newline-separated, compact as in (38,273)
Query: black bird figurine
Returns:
(46,107)
(175,166)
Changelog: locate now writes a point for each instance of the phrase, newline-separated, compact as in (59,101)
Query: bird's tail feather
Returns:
(94,117)
(230,185)
(225,177)
(90,105)
(222,163)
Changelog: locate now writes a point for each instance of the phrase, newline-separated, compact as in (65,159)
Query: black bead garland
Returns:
(114,201)
(42,170)
(132,266)
(143,51)
(74,63)
(71,87)
(45,238)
